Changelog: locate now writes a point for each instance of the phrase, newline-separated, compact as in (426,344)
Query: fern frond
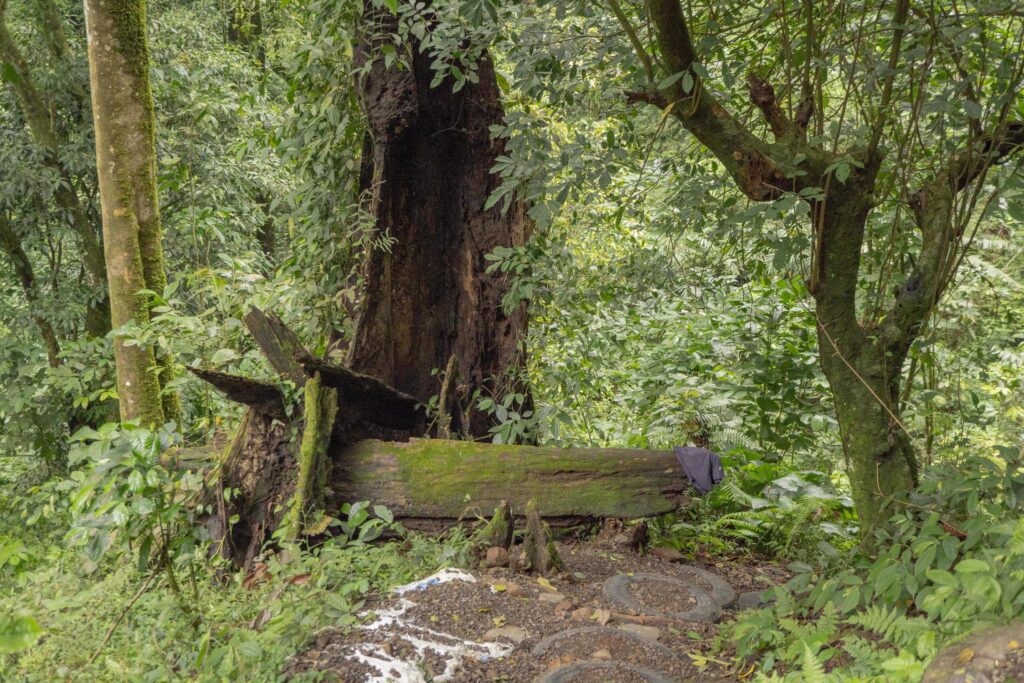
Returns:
(812,669)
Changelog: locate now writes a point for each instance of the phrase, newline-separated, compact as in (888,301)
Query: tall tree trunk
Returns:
(126,159)
(427,295)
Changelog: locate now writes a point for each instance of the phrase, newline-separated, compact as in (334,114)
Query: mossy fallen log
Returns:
(445,481)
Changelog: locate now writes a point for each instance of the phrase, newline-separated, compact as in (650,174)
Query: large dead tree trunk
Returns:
(427,295)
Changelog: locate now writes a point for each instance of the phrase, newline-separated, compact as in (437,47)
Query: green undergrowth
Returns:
(951,561)
(59,598)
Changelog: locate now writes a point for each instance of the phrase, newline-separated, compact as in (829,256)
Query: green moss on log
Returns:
(320,408)
(427,478)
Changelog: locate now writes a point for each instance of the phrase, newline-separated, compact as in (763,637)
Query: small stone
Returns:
(515,634)
(601,655)
(563,606)
(552,598)
(620,539)
(497,557)
(515,590)
(750,600)
(646,632)
(581,614)
(668,554)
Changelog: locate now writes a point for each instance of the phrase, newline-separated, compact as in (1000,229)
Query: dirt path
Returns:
(496,625)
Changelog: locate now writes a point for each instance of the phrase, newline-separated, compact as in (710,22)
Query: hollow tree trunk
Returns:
(126,163)
(428,296)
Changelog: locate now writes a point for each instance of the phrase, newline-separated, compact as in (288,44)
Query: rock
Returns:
(646,632)
(516,634)
(668,554)
(515,590)
(601,655)
(497,557)
(750,600)
(581,614)
(975,657)
(552,598)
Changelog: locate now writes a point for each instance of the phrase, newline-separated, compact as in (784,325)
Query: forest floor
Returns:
(499,625)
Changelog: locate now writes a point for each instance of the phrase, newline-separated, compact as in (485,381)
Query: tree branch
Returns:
(11,245)
(634,39)
(900,20)
(762,171)
(933,206)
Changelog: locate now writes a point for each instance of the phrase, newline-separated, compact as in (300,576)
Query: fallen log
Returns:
(425,480)
(366,444)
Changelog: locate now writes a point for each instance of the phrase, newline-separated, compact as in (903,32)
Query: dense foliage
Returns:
(666,307)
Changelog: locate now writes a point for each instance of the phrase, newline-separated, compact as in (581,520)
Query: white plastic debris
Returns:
(443,576)
(392,622)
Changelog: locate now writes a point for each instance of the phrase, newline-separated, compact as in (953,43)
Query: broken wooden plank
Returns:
(262,397)
(372,399)
(278,344)
(433,479)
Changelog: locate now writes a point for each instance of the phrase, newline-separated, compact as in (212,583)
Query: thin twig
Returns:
(120,618)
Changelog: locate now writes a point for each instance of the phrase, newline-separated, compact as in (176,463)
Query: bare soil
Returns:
(527,611)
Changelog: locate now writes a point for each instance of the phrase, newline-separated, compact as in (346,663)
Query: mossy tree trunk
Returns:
(428,296)
(126,161)
(862,359)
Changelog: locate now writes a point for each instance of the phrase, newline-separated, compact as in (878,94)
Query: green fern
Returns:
(812,669)
(1015,546)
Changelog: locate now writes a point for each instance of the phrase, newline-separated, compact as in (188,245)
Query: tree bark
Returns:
(427,296)
(126,160)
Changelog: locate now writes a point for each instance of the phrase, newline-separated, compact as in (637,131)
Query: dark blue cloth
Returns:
(703,467)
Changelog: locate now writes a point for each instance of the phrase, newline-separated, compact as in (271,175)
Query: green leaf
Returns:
(687,82)
(669,80)
(972,566)
(943,578)
(18,633)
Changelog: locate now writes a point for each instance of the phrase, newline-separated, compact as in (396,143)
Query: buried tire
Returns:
(704,608)
(568,673)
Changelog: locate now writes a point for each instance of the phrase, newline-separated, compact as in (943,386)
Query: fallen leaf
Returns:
(255,576)
(499,621)
(499,588)
(966,655)
(300,579)
(261,619)
(546,585)
(602,616)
